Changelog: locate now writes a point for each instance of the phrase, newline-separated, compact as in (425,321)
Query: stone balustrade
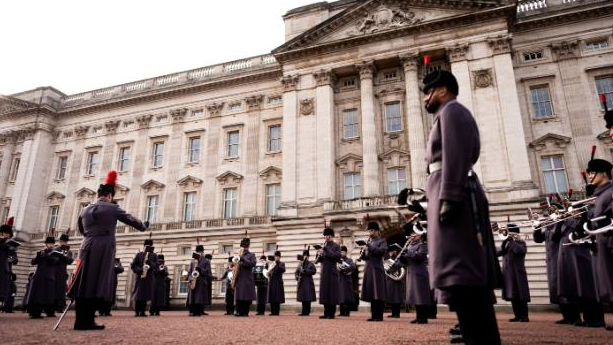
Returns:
(360,203)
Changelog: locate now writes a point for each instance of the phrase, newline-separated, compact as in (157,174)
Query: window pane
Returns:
(392,114)
(546,163)
(194,149)
(560,177)
(558,162)
(350,123)
(605,85)
(550,186)
(233,139)
(158,154)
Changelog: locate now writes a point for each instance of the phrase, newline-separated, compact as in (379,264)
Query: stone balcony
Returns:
(360,203)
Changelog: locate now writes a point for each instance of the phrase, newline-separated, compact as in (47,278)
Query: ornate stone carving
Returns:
(551,140)
(395,157)
(457,52)
(189,182)
(366,70)
(214,109)
(349,163)
(144,120)
(483,78)
(229,177)
(290,82)
(85,193)
(27,133)
(324,77)
(178,115)
(566,50)
(384,18)
(54,198)
(81,131)
(500,44)
(271,174)
(152,185)
(410,61)
(254,102)
(307,106)
(111,126)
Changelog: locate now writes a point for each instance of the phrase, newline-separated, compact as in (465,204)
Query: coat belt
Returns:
(436,166)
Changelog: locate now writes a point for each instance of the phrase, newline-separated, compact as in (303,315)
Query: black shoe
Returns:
(595,324)
(524,319)
(50,315)
(580,324)
(323,317)
(303,314)
(609,328)
(203,313)
(33,317)
(420,321)
(564,322)
(515,319)
(259,314)
(394,316)
(457,340)
(92,327)
(455,330)
(374,319)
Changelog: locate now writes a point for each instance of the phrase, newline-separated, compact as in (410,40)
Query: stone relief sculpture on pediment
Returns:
(384,18)
(54,198)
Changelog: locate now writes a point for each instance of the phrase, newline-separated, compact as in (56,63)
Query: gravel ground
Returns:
(175,327)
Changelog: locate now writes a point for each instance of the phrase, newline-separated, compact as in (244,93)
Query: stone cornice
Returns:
(564,15)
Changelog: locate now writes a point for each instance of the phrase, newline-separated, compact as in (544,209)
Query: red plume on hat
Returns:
(111,178)
(10,221)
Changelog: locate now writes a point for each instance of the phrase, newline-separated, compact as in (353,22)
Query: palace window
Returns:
(554,174)
(273,198)
(229,203)
(533,56)
(541,101)
(5,213)
(158,154)
(392,117)
(92,163)
(152,208)
(396,180)
(352,185)
(185,250)
(227,248)
(596,45)
(194,149)
(123,163)
(62,164)
(270,247)
(189,206)
(235,107)
(196,113)
(183,287)
(350,123)
(233,144)
(52,219)
(605,85)
(275,100)
(15,169)
(274,138)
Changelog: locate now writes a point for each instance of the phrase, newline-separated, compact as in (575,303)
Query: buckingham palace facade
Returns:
(325,129)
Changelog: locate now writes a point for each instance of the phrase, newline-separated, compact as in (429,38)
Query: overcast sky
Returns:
(80,45)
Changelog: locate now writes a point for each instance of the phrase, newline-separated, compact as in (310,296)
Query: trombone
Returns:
(588,234)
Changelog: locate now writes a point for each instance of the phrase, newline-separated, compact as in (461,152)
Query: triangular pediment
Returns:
(10,104)
(605,137)
(55,196)
(85,193)
(152,184)
(550,139)
(189,180)
(371,18)
(229,177)
(270,173)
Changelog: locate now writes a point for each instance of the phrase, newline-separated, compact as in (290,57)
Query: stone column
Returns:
(212,161)
(175,150)
(287,207)
(415,125)
(326,148)
(7,140)
(250,184)
(370,158)
(513,129)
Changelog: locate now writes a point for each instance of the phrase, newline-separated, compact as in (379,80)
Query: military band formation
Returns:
(445,253)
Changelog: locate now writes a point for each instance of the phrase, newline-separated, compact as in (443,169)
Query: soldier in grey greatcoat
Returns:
(106,306)
(373,284)
(198,291)
(305,292)
(61,278)
(419,292)
(346,293)
(276,291)
(144,265)
(329,256)
(515,289)
(8,257)
(463,262)
(396,292)
(158,298)
(244,291)
(41,294)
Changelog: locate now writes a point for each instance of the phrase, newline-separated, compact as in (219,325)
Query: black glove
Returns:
(505,243)
(589,189)
(146,224)
(450,211)
(403,196)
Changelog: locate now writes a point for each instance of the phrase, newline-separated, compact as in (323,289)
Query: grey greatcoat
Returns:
(117,271)
(373,284)
(42,285)
(603,260)
(200,294)
(329,283)
(61,276)
(143,287)
(276,291)
(396,291)
(419,292)
(159,287)
(515,287)
(97,222)
(306,287)
(458,255)
(245,284)
(575,276)
(551,236)
(346,293)
(6,252)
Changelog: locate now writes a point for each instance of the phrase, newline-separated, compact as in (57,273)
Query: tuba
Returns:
(195,275)
(146,266)
(343,267)
(236,269)
(271,266)
(393,274)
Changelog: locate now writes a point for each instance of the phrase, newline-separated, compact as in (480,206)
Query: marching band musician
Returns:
(9,301)
(461,247)
(305,291)
(144,266)
(229,296)
(61,274)
(346,292)
(373,283)
(329,255)
(93,281)
(244,291)
(599,172)
(395,288)
(198,294)
(42,296)
(276,291)
(158,299)
(261,285)
(515,287)
(209,280)
(419,293)
(106,306)
(8,257)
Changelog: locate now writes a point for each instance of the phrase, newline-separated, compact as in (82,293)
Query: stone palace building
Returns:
(325,129)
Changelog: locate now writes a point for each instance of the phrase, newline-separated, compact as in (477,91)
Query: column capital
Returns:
(324,77)
(178,115)
(111,126)
(565,49)
(254,102)
(81,131)
(143,121)
(214,109)
(290,82)
(366,69)
(458,52)
(500,44)
(410,61)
